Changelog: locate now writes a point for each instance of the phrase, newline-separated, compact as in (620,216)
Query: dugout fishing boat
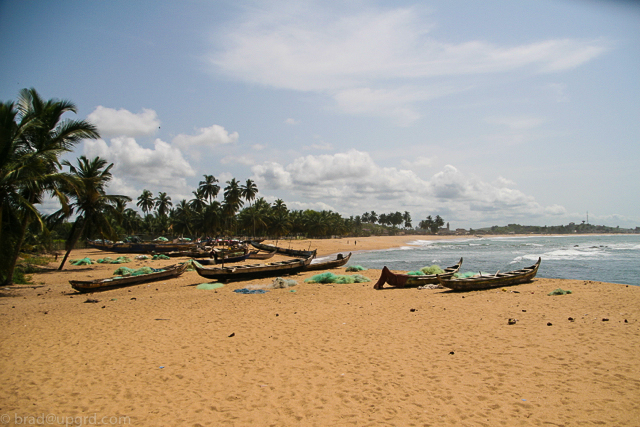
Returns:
(400,280)
(122,281)
(284,251)
(253,271)
(261,255)
(327,265)
(498,280)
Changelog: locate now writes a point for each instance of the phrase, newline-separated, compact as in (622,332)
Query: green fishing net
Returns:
(109,260)
(191,263)
(355,268)
(329,277)
(160,256)
(162,239)
(559,292)
(126,271)
(209,286)
(82,261)
(469,274)
(434,269)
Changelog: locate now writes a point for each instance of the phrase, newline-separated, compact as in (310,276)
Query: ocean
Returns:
(603,258)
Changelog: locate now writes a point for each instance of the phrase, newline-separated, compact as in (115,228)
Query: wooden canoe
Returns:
(142,248)
(261,255)
(334,263)
(497,280)
(252,271)
(399,280)
(284,251)
(118,282)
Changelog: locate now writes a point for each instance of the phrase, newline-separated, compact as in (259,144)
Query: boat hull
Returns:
(398,280)
(105,284)
(284,251)
(334,263)
(497,280)
(252,271)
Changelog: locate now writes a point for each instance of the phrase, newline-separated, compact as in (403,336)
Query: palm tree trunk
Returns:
(16,253)
(71,241)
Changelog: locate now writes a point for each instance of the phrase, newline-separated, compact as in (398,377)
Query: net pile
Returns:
(434,269)
(329,277)
(109,260)
(126,271)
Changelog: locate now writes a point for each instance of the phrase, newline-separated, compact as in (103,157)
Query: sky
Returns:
(485,113)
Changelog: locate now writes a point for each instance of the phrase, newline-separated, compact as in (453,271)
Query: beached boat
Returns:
(261,255)
(284,251)
(326,265)
(141,248)
(192,253)
(103,245)
(121,281)
(399,280)
(252,271)
(497,280)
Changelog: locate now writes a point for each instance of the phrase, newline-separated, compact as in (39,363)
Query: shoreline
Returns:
(167,353)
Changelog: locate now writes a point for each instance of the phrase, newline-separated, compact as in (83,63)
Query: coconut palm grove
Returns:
(33,137)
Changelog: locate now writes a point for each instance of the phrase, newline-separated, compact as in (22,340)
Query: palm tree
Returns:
(209,221)
(32,137)
(406,217)
(162,204)
(131,221)
(232,200)
(279,206)
(249,191)
(146,201)
(233,195)
(90,201)
(426,224)
(181,218)
(208,188)
(197,204)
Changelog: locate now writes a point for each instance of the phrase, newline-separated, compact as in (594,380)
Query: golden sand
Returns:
(169,354)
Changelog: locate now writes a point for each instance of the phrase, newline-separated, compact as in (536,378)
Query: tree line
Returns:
(33,137)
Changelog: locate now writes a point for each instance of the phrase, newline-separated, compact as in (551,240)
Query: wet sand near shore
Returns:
(169,354)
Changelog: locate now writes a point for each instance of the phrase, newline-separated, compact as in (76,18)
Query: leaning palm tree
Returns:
(33,135)
(90,203)
(208,188)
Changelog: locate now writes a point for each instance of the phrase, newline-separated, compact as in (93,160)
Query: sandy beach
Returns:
(169,354)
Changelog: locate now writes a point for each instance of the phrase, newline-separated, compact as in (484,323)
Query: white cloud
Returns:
(419,162)
(111,122)
(373,62)
(163,166)
(213,135)
(291,121)
(353,182)
(272,175)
